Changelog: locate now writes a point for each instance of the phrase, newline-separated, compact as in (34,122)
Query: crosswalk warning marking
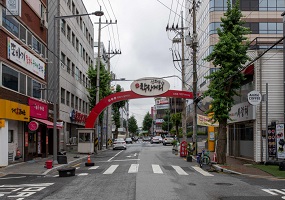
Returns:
(111,169)
(94,167)
(82,174)
(201,171)
(156,169)
(134,168)
(179,170)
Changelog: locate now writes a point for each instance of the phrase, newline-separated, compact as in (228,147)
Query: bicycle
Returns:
(204,158)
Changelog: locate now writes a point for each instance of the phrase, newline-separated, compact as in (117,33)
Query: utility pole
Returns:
(181,33)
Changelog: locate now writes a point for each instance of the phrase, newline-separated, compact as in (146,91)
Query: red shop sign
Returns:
(33,125)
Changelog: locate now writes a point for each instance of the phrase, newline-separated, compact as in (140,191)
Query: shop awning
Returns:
(48,123)
(249,70)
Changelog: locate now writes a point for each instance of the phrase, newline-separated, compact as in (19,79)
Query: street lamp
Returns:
(56,77)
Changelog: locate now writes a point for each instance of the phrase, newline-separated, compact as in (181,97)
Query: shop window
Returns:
(10,136)
(10,78)
(23,34)
(10,23)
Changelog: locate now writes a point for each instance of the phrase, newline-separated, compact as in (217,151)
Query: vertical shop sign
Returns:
(39,143)
(26,139)
(280,141)
(271,141)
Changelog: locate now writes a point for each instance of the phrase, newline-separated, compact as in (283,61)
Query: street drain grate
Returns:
(228,184)
(192,184)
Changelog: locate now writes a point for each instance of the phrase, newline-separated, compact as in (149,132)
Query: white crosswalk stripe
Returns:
(201,171)
(111,169)
(83,174)
(134,168)
(94,167)
(179,170)
(156,169)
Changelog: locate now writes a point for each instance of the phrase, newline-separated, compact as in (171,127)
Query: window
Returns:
(29,86)
(63,26)
(10,78)
(76,73)
(36,45)
(83,106)
(81,50)
(10,23)
(77,45)
(23,34)
(36,89)
(73,8)
(68,66)
(62,59)
(79,105)
(10,136)
(67,98)
(68,33)
(76,102)
(73,39)
(80,76)
(22,83)
(84,137)
(72,101)
(62,94)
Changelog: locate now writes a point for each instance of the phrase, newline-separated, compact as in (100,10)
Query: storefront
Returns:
(13,117)
(241,131)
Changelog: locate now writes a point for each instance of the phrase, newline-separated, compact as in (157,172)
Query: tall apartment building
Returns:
(71,53)
(263,17)
(23,37)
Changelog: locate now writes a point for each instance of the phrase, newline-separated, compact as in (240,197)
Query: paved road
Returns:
(143,171)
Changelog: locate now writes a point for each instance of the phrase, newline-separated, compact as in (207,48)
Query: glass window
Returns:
(29,39)
(62,94)
(84,137)
(67,98)
(36,89)
(79,105)
(73,69)
(36,45)
(280,4)
(263,28)
(279,28)
(271,27)
(68,66)
(10,23)
(22,83)
(10,78)
(29,86)
(263,4)
(76,102)
(63,26)
(23,34)
(72,101)
(10,136)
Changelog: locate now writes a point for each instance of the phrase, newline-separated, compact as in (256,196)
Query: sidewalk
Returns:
(37,165)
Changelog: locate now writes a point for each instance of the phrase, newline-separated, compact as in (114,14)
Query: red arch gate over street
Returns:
(141,88)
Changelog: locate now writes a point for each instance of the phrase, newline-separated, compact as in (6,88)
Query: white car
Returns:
(167,140)
(119,143)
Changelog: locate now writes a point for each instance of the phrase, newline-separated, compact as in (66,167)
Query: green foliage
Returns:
(176,119)
(132,124)
(167,124)
(147,122)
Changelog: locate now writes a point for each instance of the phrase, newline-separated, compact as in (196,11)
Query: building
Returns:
(71,53)
(246,134)
(23,73)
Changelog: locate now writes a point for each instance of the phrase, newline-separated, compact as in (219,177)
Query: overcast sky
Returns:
(140,34)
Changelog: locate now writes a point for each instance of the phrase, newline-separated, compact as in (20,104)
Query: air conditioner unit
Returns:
(42,23)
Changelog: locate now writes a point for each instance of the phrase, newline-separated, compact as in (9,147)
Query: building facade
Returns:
(23,105)
(246,136)
(71,53)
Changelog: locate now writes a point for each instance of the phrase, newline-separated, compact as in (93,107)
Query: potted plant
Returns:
(190,152)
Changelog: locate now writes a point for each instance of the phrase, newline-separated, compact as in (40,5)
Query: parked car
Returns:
(146,139)
(119,143)
(135,138)
(160,139)
(155,139)
(167,140)
(129,140)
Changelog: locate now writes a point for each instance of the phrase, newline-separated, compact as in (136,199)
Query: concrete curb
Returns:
(219,168)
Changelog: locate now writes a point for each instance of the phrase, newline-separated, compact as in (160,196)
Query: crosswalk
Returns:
(134,168)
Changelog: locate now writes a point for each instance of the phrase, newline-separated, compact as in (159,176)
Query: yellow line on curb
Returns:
(76,165)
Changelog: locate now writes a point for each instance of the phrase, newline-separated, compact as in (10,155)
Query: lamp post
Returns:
(56,69)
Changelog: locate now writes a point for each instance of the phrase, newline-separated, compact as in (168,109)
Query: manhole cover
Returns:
(223,184)
(193,184)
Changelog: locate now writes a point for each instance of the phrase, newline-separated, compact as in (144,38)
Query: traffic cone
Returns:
(89,163)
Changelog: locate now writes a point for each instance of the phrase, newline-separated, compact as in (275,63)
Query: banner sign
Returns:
(14,7)
(15,111)
(150,86)
(38,109)
(205,121)
(280,144)
(272,141)
(242,112)
(25,59)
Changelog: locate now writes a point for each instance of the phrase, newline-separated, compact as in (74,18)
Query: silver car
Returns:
(119,144)
(167,140)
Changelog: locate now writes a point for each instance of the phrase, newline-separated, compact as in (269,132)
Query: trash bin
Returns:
(49,164)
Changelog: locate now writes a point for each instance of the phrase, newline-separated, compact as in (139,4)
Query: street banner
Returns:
(271,141)
(280,141)
(205,121)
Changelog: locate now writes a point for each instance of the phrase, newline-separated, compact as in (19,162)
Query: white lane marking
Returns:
(77,167)
(201,171)
(115,155)
(13,177)
(94,167)
(156,169)
(82,174)
(29,185)
(125,160)
(179,170)
(111,169)
(56,175)
(273,191)
(134,168)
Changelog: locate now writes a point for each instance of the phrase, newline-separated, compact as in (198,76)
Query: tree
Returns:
(176,119)
(147,123)
(116,112)
(229,55)
(167,123)
(132,124)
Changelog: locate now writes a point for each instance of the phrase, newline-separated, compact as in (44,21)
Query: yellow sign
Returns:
(205,121)
(2,123)
(13,110)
